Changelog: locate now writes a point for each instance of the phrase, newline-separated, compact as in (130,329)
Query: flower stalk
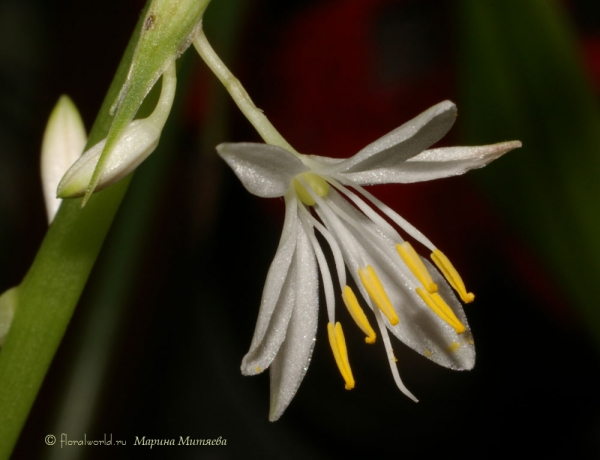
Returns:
(255,116)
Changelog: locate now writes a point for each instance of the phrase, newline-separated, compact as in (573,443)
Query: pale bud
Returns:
(64,140)
(136,143)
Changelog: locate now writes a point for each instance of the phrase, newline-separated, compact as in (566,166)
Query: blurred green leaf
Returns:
(52,286)
(522,78)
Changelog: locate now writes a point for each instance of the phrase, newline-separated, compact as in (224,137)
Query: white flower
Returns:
(405,293)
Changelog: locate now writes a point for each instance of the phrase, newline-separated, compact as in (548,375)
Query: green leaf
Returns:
(522,78)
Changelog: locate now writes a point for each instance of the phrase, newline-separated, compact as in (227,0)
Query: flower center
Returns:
(314,181)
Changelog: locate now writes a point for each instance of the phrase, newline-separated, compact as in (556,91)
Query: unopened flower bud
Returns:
(63,143)
(139,140)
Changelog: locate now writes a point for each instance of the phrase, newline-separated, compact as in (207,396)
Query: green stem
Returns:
(260,122)
(50,290)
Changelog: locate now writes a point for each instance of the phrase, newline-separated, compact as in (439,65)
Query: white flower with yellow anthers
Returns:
(405,293)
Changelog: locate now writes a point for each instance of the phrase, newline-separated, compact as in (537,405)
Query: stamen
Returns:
(335,248)
(358,314)
(366,209)
(393,215)
(452,275)
(416,265)
(441,308)
(322,262)
(391,358)
(373,285)
(315,182)
(340,353)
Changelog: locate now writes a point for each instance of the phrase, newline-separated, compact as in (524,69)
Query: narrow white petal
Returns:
(448,348)
(63,143)
(434,164)
(278,297)
(419,327)
(290,365)
(265,170)
(399,145)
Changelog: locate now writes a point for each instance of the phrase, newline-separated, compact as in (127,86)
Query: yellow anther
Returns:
(358,315)
(315,182)
(441,308)
(452,275)
(340,353)
(416,265)
(373,285)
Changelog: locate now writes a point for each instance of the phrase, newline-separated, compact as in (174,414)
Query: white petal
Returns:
(419,327)
(290,365)
(278,297)
(403,143)
(453,350)
(265,170)
(434,164)
(63,143)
